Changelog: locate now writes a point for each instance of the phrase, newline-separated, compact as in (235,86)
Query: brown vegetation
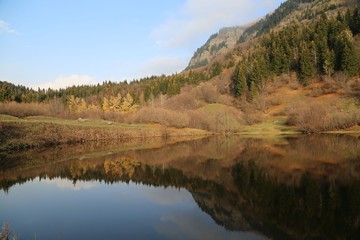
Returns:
(317,116)
(161,116)
(45,132)
(325,104)
(25,109)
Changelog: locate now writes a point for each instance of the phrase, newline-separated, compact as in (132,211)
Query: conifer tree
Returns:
(275,58)
(328,62)
(354,23)
(349,62)
(147,93)
(347,57)
(240,79)
(216,69)
(306,69)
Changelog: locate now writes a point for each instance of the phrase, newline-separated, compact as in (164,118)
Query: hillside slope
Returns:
(289,12)
(297,70)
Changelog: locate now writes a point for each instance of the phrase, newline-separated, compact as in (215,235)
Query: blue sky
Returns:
(58,43)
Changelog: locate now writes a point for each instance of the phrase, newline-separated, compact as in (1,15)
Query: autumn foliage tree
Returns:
(119,103)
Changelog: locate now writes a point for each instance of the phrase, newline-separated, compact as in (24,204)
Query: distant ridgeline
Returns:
(227,38)
(320,47)
(101,95)
(273,19)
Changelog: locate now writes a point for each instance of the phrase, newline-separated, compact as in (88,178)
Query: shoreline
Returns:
(37,132)
(42,132)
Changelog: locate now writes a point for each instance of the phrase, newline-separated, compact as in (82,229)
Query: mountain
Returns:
(289,12)
(218,43)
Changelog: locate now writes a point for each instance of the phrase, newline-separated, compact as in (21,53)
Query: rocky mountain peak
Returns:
(218,43)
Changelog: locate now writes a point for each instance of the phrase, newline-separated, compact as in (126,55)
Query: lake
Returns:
(298,187)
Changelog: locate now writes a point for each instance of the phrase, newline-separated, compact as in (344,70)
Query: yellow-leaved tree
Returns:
(115,103)
(106,104)
(73,103)
(119,103)
(127,104)
(82,105)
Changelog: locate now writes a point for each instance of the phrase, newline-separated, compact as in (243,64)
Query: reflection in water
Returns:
(300,187)
(67,184)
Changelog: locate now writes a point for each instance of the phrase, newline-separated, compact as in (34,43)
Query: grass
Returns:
(93,123)
(271,126)
(39,131)
(8,118)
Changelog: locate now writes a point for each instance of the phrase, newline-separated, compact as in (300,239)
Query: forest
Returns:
(319,49)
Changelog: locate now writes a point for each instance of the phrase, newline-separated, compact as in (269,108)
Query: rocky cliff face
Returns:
(218,43)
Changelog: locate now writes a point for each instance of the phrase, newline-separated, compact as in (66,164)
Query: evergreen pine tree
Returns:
(240,80)
(275,58)
(216,69)
(306,69)
(347,57)
(354,23)
(349,61)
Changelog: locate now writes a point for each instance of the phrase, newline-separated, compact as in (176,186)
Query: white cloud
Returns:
(199,18)
(5,27)
(161,65)
(68,81)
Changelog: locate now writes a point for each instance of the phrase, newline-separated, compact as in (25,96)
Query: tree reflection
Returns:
(301,187)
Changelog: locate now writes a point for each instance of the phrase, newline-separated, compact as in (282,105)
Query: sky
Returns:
(60,43)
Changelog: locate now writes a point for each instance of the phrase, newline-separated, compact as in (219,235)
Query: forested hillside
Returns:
(272,20)
(298,66)
(321,48)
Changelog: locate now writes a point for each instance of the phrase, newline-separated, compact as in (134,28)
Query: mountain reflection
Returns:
(302,187)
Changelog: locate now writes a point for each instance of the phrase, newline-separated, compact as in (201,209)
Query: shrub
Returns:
(198,119)
(342,120)
(218,118)
(25,109)
(159,116)
(209,93)
(276,101)
(309,116)
(314,116)
(253,118)
(184,101)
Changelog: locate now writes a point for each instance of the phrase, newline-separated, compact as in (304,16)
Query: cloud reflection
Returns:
(166,196)
(67,184)
(191,225)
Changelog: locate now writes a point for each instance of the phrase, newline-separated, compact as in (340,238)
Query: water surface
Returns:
(304,187)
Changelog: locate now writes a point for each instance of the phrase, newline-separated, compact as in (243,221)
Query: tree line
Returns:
(272,20)
(107,93)
(319,48)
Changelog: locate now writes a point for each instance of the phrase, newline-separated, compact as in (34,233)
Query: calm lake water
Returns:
(303,187)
